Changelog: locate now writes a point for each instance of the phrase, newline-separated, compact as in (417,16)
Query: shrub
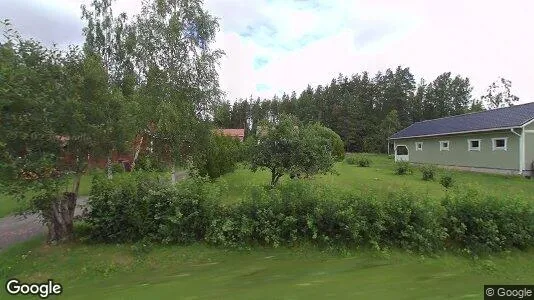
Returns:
(413,222)
(403,168)
(429,171)
(144,208)
(483,223)
(360,161)
(220,157)
(351,160)
(335,142)
(446,181)
(364,162)
(117,168)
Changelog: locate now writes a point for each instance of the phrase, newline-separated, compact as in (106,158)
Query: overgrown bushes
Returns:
(360,161)
(145,206)
(484,223)
(298,212)
(446,181)
(403,168)
(429,172)
(220,157)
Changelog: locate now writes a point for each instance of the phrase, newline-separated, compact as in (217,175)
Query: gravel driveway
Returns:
(16,229)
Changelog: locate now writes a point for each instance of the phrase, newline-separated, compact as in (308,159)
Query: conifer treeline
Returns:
(363,109)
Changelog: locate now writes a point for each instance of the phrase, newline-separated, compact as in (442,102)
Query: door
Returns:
(401,153)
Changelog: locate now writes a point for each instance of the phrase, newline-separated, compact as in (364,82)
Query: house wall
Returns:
(529,147)
(460,156)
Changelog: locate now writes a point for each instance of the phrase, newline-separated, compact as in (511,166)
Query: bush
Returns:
(147,209)
(360,161)
(485,223)
(150,163)
(429,171)
(220,157)
(413,222)
(351,160)
(364,162)
(335,142)
(403,168)
(446,181)
(143,206)
(117,168)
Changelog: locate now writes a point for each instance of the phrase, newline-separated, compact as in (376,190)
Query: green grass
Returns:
(9,204)
(202,272)
(380,179)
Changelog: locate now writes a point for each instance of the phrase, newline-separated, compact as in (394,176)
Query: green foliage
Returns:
(117,168)
(56,109)
(477,222)
(170,101)
(335,143)
(220,157)
(403,168)
(150,163)
(351,160)
(364,162)
(363,109)
(429,172)
(360,161)
(446,180)
(299,212)
(288,147)
(143,206)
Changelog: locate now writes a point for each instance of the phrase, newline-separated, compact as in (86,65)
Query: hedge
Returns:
(147,208)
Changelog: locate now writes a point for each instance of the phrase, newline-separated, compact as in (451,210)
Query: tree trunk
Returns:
(136,154)
(109,168)
(59,218)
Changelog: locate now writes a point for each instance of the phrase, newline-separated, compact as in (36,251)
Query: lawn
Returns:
(203,272)
(380,179)
(9,204)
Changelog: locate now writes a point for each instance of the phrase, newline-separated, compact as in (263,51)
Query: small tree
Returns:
(499,94)
(219,157)
(56,109)
(288,147)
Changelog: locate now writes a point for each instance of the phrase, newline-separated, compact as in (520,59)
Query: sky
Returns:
(276,46)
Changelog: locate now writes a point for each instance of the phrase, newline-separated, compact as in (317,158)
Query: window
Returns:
(500,144)
(474,145)
(402,150)
(418,146)
(444,146)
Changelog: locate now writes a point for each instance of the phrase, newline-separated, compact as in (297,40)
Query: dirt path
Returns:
(16,229)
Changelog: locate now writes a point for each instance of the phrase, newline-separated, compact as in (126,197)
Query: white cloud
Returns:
(479,39)
(312,41)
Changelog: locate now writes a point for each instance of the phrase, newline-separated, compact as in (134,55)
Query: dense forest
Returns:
(364,109)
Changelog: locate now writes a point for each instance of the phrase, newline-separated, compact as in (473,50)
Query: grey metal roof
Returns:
(508,117)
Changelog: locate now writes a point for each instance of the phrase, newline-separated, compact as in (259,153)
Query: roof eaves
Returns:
(456,132)
(528,123)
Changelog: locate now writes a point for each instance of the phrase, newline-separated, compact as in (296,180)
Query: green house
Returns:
(494,141)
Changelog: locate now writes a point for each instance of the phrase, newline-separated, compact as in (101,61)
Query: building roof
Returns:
(500,118)
(232,132)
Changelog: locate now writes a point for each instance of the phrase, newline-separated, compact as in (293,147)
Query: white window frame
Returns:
(495,148)
(443,148)
(473,148)
(417,146)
